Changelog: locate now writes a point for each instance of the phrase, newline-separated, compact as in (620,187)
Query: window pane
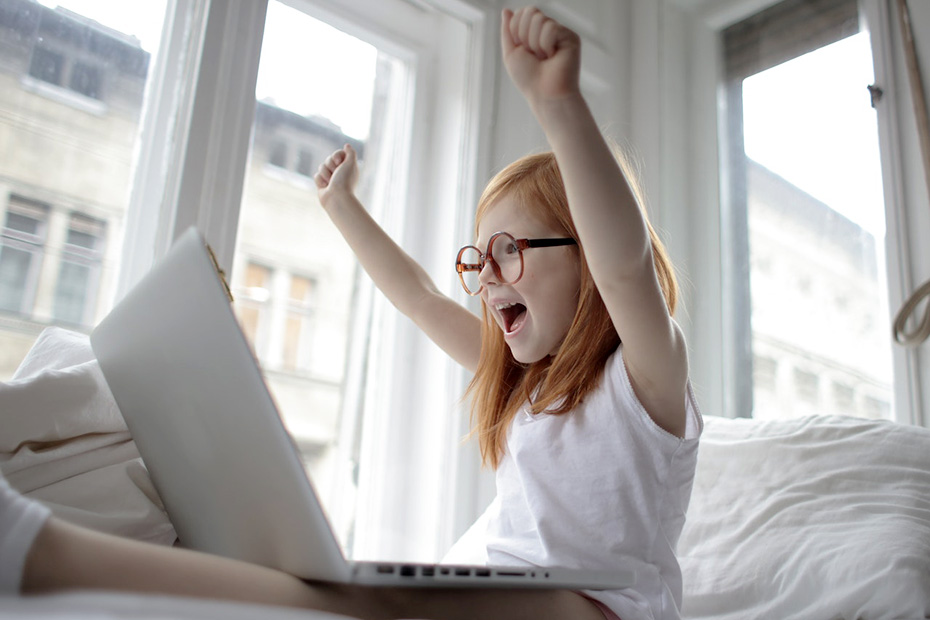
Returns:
(71,293)
(302,330)
(811,187)
(15,265)
(46,65)
(72,78)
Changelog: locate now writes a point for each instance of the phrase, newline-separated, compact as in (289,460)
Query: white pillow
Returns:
(64,443)
(820,517)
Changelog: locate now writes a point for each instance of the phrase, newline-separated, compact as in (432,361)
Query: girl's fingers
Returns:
(523,26)
(531,29)
(323,175)
(537,21)
(549,38)
(507,40)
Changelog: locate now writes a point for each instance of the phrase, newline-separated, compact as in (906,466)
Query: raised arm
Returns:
(405,283)
(543,59)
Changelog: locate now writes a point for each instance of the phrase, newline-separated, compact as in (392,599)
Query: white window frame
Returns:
(689,41)
(202,97)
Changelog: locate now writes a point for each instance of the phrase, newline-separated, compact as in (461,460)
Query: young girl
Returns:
(581,391)
(581,388)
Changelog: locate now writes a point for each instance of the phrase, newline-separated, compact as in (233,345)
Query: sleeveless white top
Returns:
(600,487)
(20,522)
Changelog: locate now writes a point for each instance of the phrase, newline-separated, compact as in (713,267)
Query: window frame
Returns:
(691,48)
(196,177)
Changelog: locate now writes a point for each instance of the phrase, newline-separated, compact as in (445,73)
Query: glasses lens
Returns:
(507,256)
(469,267)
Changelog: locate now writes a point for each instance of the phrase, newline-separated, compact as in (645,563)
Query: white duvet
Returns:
(815,518)
(63,441)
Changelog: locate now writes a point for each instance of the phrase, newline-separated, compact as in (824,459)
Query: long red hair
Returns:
(501,384)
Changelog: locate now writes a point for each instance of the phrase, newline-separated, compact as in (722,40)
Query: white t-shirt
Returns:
(20,522)
(600,487)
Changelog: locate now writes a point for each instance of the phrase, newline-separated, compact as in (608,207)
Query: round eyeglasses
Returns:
(506,256)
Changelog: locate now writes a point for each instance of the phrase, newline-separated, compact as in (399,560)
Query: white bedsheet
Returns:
(63,441)
(816,518)
(112,606)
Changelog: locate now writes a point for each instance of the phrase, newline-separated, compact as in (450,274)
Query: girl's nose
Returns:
(488,274)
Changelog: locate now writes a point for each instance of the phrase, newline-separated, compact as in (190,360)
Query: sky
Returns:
(304,62)
(304,67)
(810,121)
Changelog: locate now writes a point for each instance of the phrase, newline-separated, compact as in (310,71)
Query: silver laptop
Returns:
(196,403)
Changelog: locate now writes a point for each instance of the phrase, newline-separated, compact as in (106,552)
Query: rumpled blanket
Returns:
(819,517)
(63,442)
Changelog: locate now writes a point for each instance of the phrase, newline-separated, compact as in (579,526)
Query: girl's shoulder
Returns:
(619,396)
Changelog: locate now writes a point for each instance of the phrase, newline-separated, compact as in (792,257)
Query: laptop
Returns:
(197,406)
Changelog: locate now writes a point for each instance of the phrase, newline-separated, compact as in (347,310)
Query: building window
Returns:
(299,318)
(806,206)
(765,372)
(252,300)
(54,68)
(79,273)
(807,386)
(22,248)
(844,399)
(275,309)
(875,408)
(304,165)
(47,65)
(277,154)
(85,79)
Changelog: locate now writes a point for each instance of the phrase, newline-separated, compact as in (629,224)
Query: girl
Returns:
(594,441)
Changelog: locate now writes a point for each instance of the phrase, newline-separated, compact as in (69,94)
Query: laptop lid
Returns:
(183,375)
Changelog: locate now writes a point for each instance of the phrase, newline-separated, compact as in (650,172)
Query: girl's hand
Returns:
(542,56)
(339,173)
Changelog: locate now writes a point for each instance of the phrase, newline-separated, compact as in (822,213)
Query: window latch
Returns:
(876,93)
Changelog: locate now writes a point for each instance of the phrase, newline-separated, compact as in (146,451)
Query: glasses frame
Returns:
(485,257)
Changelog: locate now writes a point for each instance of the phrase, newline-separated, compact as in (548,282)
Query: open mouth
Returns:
(513,315)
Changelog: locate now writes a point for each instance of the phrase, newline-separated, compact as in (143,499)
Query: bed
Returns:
(815,518)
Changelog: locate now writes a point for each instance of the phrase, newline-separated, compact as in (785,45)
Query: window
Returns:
(276,310)
(277,155)
(765,373)
(349,375)
(347,372)
(253,298)
(807,386)
(85,79)
(303,352)
(806,208)
(21,250)
(66,174)
(304,165)
(298,337)
(843,397)
(79,274)
(54,67)
(47,65)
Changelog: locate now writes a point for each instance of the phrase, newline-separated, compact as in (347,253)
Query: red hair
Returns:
(501,384)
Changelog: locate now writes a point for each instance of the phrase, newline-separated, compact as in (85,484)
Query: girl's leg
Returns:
(68,557)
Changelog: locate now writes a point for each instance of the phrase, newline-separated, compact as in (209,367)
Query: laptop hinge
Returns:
(220,273)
